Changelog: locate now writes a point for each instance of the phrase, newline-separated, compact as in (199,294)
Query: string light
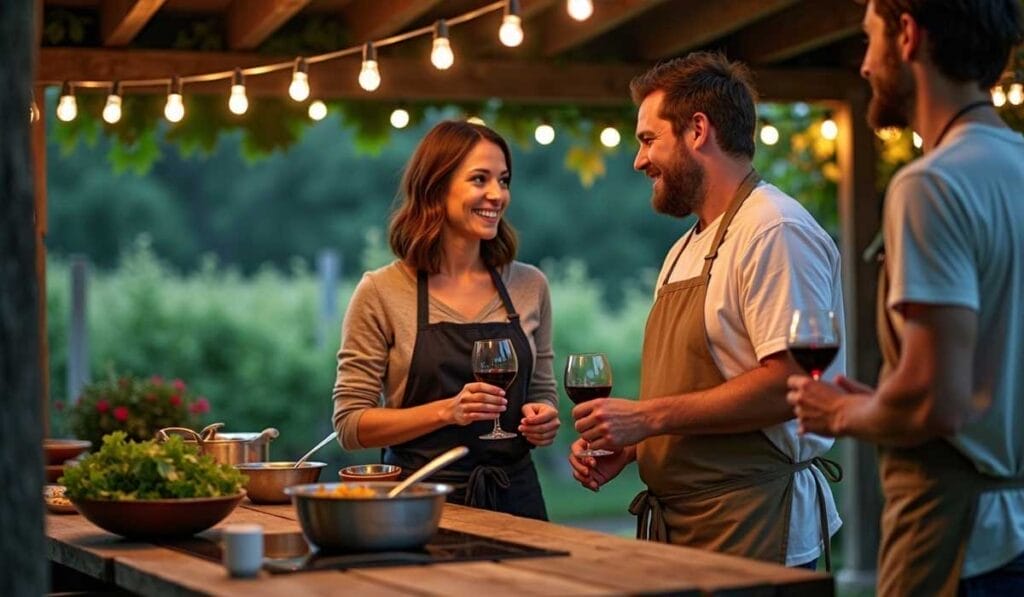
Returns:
(829,129)
(579,9)
(299,88)
(476,120)
(889,133)
(1016,94)
(112,110)
(998,96)
(399,118)
(33,110)
(441,55)
(317,110)
(174,109)
(369,74)
(238,103)
(544,134)
(67,107)
(511,31)
(769,134)
(918,141)
(610,137)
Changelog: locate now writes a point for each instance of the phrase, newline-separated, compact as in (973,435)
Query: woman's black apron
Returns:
(496,474)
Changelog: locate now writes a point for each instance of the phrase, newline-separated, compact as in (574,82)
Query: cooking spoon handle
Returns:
(322,443)
(430,468)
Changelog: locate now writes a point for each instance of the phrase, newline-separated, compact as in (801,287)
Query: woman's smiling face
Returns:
(478,194)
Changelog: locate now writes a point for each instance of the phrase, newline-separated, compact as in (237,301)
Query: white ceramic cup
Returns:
(243,549)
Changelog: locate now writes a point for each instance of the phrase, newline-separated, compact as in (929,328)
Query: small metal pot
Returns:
(226,448)
(267,480)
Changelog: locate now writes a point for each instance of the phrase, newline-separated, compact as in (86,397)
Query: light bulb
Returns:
(918,141)
(174,109)
(544,134)
(889,133)
(399,118)
(829,129)
(579,9)
(1016,94)
(299,89)
(442,56)
(112,110)
(610,137)
(317,110)
(33,112)
(238,103)
(998,96)
(476,120)
(67,107)
(511,32)
(769,135)
(369,74)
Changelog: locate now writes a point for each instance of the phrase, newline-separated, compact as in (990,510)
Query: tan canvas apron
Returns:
(931,499)
(730,493)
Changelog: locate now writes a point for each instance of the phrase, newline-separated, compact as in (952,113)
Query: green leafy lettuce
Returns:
(150,470)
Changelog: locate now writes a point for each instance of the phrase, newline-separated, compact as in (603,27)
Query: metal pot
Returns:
(226,448)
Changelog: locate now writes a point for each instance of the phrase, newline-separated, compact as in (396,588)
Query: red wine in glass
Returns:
(494,362)
(496,377)
(813,340)
(588,376)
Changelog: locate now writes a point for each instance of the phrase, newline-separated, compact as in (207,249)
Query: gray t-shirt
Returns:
(954,235)
(379,334)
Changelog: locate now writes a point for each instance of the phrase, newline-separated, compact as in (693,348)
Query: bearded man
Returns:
(713,436)
(949,411)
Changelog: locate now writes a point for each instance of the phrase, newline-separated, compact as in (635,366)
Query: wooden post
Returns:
(78,331)
(21,461)
(859,210)
(40,221)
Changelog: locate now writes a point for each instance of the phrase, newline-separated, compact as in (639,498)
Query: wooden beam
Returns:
(796,30)
(680,26)
(121,20)
(368,21)
(251,22)
(562,33)
(413,79)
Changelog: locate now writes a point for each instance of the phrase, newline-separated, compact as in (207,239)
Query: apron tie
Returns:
(834,473)
(483,485)
(650,517)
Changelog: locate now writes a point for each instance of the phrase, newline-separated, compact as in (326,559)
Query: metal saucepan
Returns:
(226,448)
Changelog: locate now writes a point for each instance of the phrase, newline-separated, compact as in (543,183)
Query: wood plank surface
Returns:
(598,564)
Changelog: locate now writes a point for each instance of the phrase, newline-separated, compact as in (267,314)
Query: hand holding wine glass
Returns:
(588,376)
(813,340)
(495,363)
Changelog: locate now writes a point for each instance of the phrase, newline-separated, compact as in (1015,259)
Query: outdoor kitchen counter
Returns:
(598,564)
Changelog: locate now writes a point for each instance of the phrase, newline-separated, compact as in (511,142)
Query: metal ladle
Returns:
(430,468)
(322,443)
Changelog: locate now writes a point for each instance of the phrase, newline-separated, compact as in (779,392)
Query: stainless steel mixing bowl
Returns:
(267,480)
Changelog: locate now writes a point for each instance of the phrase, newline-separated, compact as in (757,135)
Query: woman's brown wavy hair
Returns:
(418,222)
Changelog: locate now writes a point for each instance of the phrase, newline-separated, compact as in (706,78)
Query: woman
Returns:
(410,327)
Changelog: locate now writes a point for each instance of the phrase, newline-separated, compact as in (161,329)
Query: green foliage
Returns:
(150,470)
(138,407)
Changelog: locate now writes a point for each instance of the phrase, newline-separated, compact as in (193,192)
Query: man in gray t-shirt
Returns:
(949,412)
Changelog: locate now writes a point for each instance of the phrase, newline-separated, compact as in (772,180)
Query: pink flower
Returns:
(175,400)
(121,413)
(179,385)
(156,380)
(200,406)
(58,405)
(102,406)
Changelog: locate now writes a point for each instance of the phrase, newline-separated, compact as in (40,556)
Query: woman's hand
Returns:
(477,401)
(540,423)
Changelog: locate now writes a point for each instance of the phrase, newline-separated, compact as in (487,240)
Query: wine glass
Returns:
(813,339)
(588,376)
(494,362)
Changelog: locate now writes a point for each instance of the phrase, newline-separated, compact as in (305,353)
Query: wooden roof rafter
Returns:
(372,21)
(562,34)
(799,29)
(121,20)
(251,22)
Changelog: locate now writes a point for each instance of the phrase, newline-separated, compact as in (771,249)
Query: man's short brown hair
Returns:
(709,83)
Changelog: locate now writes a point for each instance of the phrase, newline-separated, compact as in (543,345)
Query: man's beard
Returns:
(892,93)
(682,187)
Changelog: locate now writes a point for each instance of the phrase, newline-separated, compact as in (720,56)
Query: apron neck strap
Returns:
(742,192)
(423,297)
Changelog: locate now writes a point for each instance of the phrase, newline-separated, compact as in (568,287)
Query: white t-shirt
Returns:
(775,258)
(954,235)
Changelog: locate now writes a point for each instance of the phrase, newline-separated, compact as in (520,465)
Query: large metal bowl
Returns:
(267,480)
(145,519)
(374,523)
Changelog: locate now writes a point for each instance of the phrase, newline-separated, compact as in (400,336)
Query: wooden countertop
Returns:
(598,564)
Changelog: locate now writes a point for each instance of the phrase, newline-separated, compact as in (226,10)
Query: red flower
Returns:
(175,400)
(200,406)
(156,380)
(102,406)
(58,405)
(179,385)
(121,413)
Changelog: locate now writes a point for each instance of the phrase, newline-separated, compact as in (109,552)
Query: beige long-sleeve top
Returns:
(379,334)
